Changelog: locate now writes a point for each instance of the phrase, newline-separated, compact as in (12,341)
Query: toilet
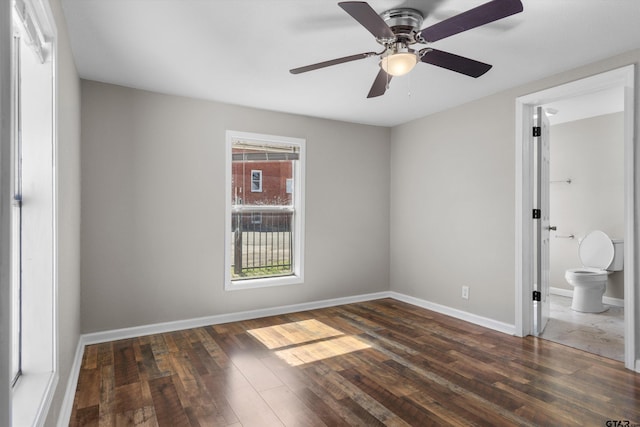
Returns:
(600,255)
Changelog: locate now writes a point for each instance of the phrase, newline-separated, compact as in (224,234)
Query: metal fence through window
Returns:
(262,243)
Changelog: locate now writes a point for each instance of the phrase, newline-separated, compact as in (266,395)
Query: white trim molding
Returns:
(486,322)
(138,331)
(158,328)
(72,383)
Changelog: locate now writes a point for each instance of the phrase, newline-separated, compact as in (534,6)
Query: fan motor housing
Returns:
(404,22)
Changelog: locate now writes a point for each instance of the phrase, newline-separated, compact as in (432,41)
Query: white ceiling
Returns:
(590,105)
(240,51)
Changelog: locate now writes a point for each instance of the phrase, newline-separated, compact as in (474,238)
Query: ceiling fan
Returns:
(399,29)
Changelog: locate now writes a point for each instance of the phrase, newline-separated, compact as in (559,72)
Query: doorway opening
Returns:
(621,79)
(586,189)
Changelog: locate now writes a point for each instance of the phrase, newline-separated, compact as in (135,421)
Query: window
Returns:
(33,220)
(16,218)
(256,181)
(264,216)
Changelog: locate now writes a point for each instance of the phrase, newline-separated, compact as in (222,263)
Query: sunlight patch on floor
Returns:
(308,353)
(306,341)
(279,336)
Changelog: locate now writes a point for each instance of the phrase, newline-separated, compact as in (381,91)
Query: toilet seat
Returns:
(596,250)
(586,277)
(587,271)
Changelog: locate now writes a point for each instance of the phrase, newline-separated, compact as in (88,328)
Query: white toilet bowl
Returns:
(600,256)
(589,285)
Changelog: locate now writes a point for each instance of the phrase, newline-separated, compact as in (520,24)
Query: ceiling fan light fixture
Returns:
(399,64)
(398,29)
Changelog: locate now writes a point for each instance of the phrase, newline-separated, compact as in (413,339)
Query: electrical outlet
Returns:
(465,292)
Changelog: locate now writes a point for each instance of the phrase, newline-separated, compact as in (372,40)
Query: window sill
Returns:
(237,285)
(31,398)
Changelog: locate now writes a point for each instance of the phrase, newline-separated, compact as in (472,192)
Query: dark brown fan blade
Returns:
(379,86)
(472,18)
(368,18)
(456,63)
(331,62)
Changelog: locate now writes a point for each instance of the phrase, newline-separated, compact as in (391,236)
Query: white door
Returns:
(542,224)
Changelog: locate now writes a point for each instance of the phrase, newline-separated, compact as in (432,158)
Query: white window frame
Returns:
(298,223)
(16,218)
(32,394)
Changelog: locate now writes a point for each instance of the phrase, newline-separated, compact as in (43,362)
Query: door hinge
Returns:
(537,296)
(536,214)
(537,131)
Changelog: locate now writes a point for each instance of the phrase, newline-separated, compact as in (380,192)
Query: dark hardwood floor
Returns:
(381,362)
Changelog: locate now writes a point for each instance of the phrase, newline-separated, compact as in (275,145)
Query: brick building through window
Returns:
(275,178)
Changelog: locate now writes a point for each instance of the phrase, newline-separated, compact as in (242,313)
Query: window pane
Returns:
(16,306)
(263,209)
(16,218)
(256,181)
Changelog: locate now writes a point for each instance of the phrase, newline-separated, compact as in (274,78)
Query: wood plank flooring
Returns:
(375,363)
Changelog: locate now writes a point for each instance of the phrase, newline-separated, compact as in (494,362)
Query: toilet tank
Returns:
(618,255)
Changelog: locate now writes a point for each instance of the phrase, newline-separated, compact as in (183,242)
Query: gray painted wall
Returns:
(153,208)
(452,208)
(591,153)
(453,199)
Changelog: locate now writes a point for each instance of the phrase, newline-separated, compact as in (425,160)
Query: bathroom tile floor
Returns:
(599,333)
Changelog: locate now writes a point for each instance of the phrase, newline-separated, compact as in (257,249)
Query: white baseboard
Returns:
(616,302)
(458,314)
(561,292)
(72,383)
(158,328)
(137,331)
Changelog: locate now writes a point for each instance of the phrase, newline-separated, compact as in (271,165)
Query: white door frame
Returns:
(621,77)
